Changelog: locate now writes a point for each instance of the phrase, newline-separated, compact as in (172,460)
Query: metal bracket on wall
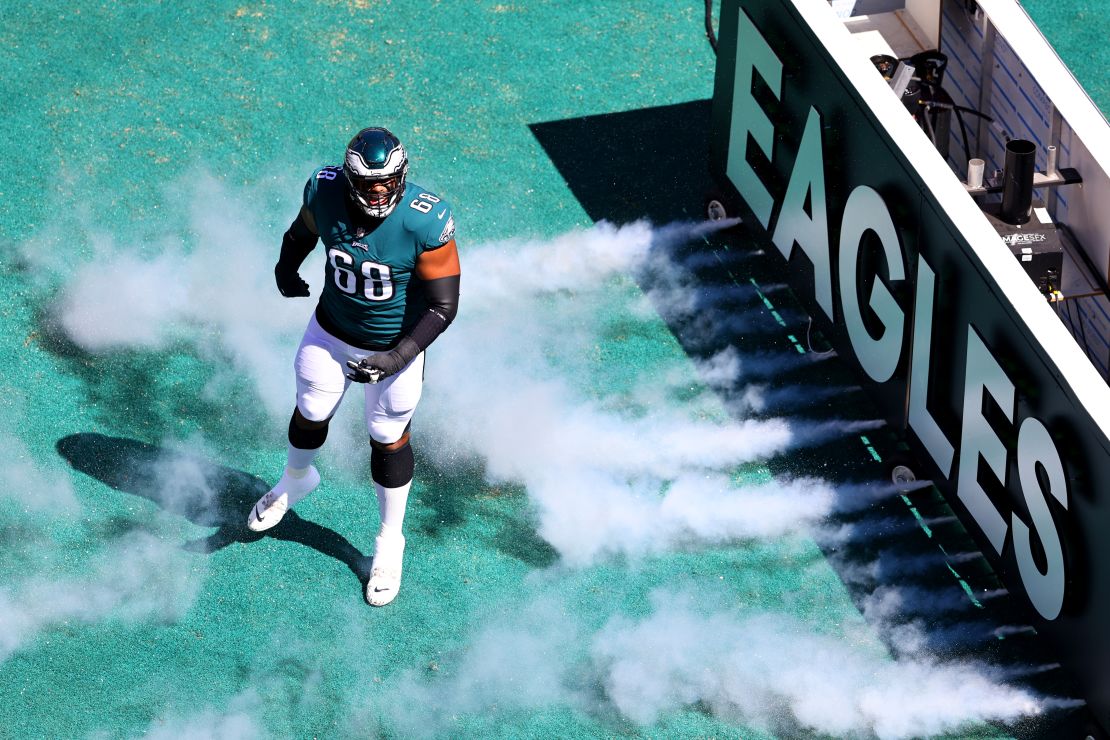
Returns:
(1054,140)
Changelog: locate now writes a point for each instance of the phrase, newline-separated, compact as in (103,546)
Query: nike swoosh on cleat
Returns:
(257,514)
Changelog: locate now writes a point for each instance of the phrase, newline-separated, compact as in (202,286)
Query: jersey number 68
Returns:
(376,279)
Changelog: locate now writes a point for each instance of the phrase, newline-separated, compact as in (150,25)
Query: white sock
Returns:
(298,460)
(391,507)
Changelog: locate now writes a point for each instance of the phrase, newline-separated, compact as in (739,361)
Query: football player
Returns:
(391,286)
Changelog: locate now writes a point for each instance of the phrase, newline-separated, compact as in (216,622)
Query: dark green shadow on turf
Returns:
(650,163)
(207,494)
(139,379)
(446,509)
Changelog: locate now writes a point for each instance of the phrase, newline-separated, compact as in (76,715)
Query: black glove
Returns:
(376,367)
(289,282)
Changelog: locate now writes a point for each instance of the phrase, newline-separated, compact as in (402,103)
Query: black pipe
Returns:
(963,133)
(1017,181)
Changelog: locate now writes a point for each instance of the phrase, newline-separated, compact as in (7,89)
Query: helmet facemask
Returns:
(370,198)
(375,167)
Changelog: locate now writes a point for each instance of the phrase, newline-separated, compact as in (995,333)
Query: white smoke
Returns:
(237,722)
(509,400)
(211,286)
(603,480)
(136,578)
(142,575)
(519,383)
(586,515)
(722,369)
(519,663)
(31,487)
(774,672)
(150,295)
(579,260)
(886,603)
(753,670)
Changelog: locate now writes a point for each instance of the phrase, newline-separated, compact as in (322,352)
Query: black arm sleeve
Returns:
(443,304)
(297,242)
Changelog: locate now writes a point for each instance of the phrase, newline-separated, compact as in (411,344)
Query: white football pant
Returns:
(321,367)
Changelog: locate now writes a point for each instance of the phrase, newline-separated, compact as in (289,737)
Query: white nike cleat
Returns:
(289,490)
(385,572)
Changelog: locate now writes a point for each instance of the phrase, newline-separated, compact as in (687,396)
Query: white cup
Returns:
(975,173)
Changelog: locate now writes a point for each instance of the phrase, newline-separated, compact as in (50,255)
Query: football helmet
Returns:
(375,166)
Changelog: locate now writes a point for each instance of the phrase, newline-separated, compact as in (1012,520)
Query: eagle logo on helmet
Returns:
(375,166)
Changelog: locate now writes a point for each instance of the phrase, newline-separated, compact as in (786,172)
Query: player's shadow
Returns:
(207,494)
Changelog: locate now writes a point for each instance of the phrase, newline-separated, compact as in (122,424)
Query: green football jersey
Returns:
(366,300)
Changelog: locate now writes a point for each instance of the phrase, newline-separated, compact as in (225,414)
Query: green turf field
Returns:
(607,537)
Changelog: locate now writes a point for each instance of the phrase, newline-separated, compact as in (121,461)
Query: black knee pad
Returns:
(392,469)
(306,439)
